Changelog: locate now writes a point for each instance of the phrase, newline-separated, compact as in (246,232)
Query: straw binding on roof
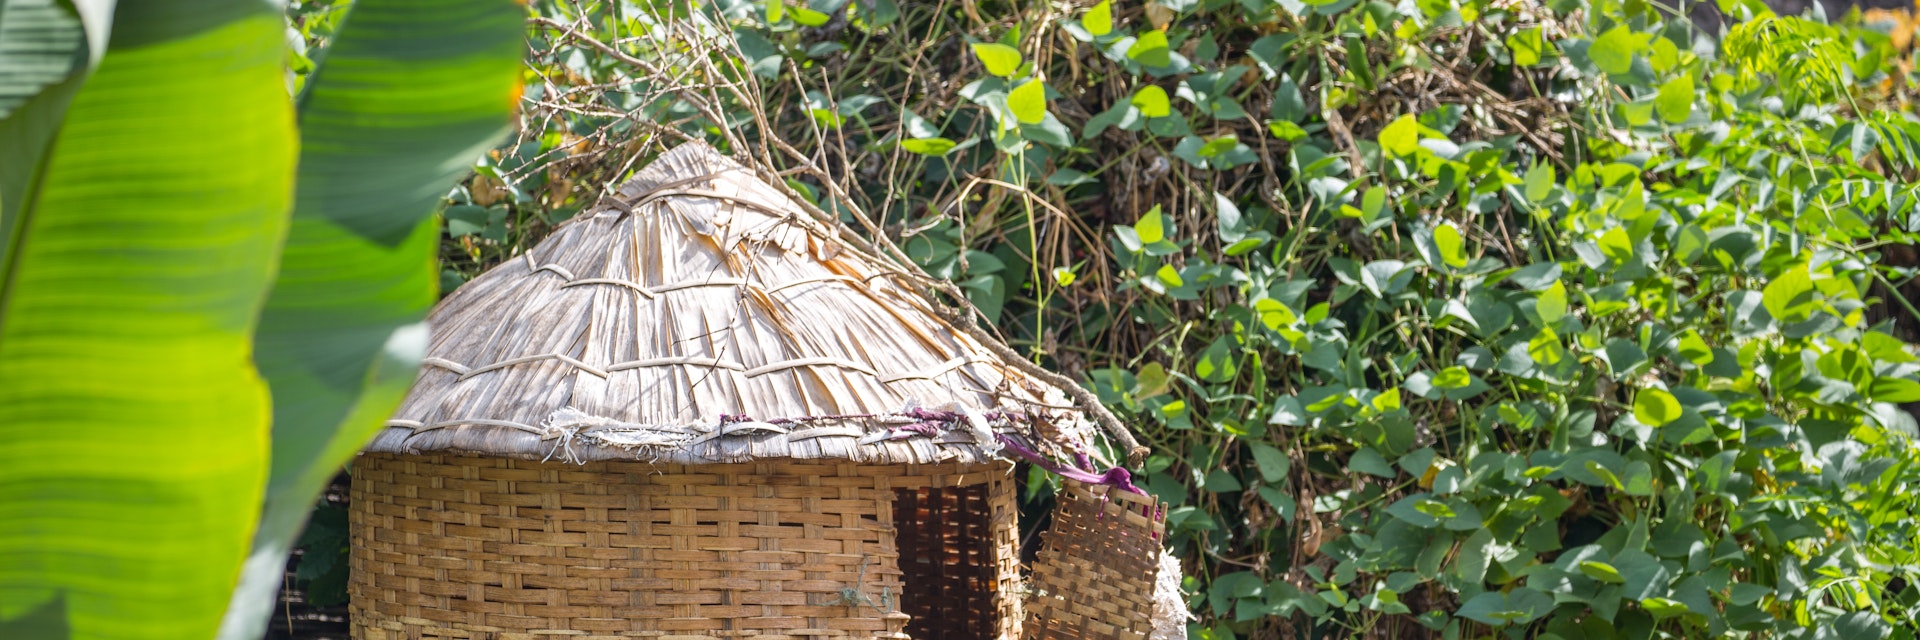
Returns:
(700,316)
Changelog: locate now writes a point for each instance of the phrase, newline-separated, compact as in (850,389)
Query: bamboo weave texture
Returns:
(1095,575)
(505,549)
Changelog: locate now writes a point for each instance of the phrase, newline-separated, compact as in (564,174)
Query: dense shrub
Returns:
(1443,317)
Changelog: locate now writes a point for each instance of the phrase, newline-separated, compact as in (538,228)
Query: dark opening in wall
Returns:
(947,557)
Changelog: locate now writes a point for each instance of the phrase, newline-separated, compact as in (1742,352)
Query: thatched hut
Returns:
(694,412)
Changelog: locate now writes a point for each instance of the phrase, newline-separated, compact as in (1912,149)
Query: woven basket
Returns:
(1095,575)
(505,549)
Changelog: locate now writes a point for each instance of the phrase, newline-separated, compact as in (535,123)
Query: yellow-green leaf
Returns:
(1545,347)
(135,423)
(927,146)
(1401,137)
(1675,100)
(409,94)
(1895,390)
(1453,251)
(1099,20)
(1527,47)
(1616,245)
(1789,298)
(1613,51)
(1028,102)
(1151,49)
(1655,407)
(1695,349)
(1388,400)
(1539,182)
(1151,381)
(1064,277)
(1152,101)
(1274,313)
(999,59)
(1602,571)
(1150,227)
(1169,275)
(1285,130)
(1552,304)
(809,18)
(1217,363)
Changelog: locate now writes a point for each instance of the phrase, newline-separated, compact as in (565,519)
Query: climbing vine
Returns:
(1450,318)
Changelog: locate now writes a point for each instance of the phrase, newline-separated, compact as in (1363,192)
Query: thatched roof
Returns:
(712,320)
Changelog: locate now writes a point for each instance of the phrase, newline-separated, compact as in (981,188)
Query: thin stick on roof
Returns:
(700,316)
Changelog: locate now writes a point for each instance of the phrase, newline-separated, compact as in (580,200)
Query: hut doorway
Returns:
(948,557)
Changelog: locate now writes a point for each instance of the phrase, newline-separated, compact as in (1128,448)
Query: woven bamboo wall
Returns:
(1095,575)
(503,549)
(952,544)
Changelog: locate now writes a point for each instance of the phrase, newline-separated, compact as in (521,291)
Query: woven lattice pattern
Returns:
(1095,575)
(949,551)
(700,316)
(504,549)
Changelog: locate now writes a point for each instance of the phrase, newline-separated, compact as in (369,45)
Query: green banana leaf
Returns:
(41,43)
(141,251)
(47,49)
(408,96)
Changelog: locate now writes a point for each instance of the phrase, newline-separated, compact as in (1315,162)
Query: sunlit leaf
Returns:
(1655,407)
(1150,49)
(1285,130)
(1616,245)
(1170,276)
(1028,102)
(1898,390)
(807,17)
(1613,51)
(1527,46)
(1217,363)
(1675,100)
(1401,137)
(927,146)
(1454,377)
(1099,19)
(1601,571)
(1452,250)
(1152,101)
(135,423)
(1149,226)
(341,335)
(1539,182)
(1790,297)
(999,59)
(1552,303)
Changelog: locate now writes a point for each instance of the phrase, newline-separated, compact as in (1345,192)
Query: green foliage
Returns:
(342,332)
(141,246)
(135,427)
(1444,318)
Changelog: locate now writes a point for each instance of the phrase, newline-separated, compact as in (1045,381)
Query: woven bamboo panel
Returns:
(1095,575)
(504,549)
(956,548)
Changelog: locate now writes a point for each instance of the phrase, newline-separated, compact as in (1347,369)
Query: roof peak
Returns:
(702,315)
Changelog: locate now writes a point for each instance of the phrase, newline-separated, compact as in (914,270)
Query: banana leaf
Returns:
(405,100)
(141,245)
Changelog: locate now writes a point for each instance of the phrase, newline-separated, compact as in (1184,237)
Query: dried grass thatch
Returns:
(701,316)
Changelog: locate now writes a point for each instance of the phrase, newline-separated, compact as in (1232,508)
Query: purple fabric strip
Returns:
(1115,477)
